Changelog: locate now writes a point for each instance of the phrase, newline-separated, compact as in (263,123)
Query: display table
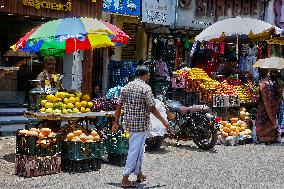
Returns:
(68,117)
(53,121)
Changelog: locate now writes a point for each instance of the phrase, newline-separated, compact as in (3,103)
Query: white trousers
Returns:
(135,153)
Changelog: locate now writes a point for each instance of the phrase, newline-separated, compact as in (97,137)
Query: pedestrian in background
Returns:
(137,102)
(270,90)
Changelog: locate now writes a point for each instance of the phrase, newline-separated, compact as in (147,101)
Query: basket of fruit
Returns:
(36,142)
(79,146)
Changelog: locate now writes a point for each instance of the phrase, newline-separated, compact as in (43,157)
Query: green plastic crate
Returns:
(99,149)
(117,144)
(28,145)
(82,150)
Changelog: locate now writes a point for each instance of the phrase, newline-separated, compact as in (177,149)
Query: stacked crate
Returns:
(82,156)
(121,72)
(117,147)
(37,157)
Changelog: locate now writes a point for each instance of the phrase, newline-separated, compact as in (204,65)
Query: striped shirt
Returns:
(136,100)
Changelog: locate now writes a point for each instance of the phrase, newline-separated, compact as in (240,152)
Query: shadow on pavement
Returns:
(10,157)
(187,147)
(275,144)
(157,151)
(137,185)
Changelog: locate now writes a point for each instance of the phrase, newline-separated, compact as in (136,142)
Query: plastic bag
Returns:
(156,126)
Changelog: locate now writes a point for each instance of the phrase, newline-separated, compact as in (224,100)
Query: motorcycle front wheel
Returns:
(204,135)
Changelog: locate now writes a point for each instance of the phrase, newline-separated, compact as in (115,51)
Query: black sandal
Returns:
(141,178)
(131,185)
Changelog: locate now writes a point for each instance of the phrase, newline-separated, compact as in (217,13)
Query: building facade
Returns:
(17,17)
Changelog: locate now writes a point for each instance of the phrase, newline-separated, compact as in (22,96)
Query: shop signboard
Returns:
(220,101)
(158,11)
(222,7)
(130,7)
(225,101)
(53,8)
(234,101)
(49,5)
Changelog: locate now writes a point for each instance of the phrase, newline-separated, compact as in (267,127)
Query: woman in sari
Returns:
(270,89)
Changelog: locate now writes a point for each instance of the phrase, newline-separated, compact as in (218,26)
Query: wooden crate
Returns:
(32,166)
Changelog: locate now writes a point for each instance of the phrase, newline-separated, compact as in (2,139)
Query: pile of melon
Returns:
(40,133)
(45,135)
(79,136)
(234,128)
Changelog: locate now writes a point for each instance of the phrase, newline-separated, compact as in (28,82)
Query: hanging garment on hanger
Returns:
(242,63)
(222,47)
(161,69)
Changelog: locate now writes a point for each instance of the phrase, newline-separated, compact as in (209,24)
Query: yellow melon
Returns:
(77,133)
(70,136)
(45,131)
(35,129)
(23,132)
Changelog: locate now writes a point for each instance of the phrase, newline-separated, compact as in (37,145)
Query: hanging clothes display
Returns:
(161,69)
(251,59)
(186,46)
(178,53)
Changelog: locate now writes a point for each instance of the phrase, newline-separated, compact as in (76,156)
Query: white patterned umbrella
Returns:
(234,26)
(270,63)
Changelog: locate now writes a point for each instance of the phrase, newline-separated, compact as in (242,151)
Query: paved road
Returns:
(174,166)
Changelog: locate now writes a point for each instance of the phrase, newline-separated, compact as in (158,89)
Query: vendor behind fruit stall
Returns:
(49,72)
(229,68)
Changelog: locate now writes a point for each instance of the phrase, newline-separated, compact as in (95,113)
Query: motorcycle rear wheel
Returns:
(154,143)
(204,135)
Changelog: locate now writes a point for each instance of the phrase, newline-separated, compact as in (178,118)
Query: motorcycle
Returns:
(193,123)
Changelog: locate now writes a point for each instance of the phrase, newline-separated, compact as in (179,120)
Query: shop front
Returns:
(19,17)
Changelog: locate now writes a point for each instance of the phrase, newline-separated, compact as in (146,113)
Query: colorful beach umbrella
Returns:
(70,34)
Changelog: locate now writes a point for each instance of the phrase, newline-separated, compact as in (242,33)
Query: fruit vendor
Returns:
(137,102)
(49,72)
(229,68)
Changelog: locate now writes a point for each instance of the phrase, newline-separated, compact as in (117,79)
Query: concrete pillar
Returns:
(105,71)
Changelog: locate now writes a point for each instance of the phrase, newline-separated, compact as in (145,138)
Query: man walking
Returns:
(137,102)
